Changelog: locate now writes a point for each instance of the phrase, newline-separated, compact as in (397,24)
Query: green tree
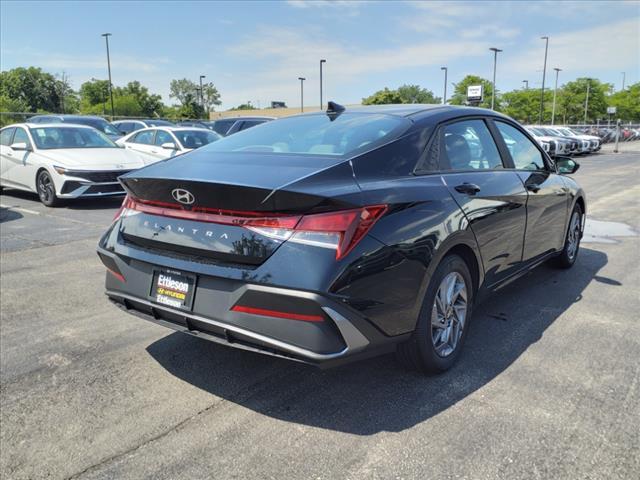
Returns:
(382,97)
(150,104)
(94,96)
(460,91)
(572,97)
(524,105)
(34,89)
(244,106)
(185,91)
(417,94)
(210,96)
(627,102)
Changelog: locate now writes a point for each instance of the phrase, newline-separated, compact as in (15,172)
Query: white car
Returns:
(158,143)
(594,142)
(59,161)
(127,126)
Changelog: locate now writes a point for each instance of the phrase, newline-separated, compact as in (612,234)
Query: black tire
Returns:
(419,352)
(571,247)
(46,189)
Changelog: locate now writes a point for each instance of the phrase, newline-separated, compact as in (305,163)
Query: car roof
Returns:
(173,129)
(237,119)
(93,117)
(56,125)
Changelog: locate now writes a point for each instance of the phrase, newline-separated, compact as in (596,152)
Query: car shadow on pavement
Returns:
(6,215)
(96,203)
(377,395)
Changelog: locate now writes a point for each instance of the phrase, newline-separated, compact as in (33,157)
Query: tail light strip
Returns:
(340,230)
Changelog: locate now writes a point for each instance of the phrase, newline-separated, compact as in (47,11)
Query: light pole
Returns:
(555,91)
(302,79)
(321,62)
(526,84)
(586,101)
(624,74)
(202,92)
(106,38)
(493,88)
(444,98)
(544,73)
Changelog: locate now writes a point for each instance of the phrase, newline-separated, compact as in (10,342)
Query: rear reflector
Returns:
(112,267)
(277,314)
(341,230)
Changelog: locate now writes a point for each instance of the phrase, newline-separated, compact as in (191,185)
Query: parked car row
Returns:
(563,141)
(608,134)
(71,156)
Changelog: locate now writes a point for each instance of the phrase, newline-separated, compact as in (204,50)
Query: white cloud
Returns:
(611,46)
(287,54)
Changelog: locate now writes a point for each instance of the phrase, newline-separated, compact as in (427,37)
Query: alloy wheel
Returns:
(448,314)
(573,236)
(45,187)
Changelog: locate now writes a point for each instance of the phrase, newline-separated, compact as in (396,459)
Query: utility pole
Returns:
(444,98)
(321,62)
(555,91)
(302,79)
(202,92)
(624,74)
(544,73)
(106,38)
(493,89)
(526,84)
(586,102)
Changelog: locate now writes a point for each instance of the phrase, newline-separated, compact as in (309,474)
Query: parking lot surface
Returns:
(547,387)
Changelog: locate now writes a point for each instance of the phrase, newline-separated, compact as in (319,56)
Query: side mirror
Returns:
(169,146)
(566,165)
(20,146)
(123,132)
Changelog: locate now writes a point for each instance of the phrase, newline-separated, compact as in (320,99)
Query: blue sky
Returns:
(257,50)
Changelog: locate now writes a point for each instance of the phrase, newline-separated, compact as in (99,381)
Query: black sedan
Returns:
(338,235)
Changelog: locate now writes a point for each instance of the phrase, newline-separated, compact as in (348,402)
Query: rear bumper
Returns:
(344,335)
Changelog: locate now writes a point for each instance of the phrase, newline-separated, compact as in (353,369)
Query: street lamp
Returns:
(321,62)
(106,38)
(202,91)
(302,79)
(586,101)
(544,72)
(555,91)
(493,89)
(444,98)
(624,74)
(526,84)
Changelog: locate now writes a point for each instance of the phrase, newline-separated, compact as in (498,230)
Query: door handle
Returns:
(154,151)
(533,187)
(9,154)
(468,188)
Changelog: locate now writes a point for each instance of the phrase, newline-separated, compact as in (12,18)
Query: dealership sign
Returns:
(611,110)
(474,93)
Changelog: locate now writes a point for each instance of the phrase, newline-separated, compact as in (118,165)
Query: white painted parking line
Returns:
(19,209)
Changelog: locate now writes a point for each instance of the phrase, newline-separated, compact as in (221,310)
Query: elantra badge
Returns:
(183,196)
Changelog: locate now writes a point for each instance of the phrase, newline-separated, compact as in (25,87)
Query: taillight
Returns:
(126,203)
(341,230)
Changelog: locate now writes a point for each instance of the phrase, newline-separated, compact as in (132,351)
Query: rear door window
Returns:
(468,145)
(6,135)
(145,138)
(21,137)
(525,154)
(163,137)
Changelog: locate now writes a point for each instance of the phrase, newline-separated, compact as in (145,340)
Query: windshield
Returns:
(566,131)
(316,134)
(97,123)
(158,123)
(49,138)
(195,138)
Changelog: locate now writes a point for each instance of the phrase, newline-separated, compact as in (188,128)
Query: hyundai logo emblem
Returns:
(183,196)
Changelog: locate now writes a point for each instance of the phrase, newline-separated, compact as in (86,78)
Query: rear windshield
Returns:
(97,123)
(50,138)
(158,123)
(195,138)
(316,135)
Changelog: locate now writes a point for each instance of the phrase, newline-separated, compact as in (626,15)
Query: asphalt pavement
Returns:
(548,385)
